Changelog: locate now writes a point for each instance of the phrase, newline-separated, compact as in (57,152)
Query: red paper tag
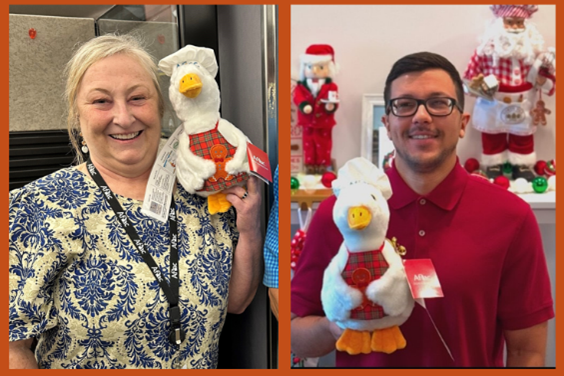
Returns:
(422,279)
(259,163)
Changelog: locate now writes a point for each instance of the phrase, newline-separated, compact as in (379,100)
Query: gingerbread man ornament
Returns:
(219,157)
(539,113)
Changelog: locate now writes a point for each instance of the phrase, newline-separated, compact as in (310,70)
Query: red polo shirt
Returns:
(486,247)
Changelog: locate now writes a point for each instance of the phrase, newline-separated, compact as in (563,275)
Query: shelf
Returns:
(307,198)
(540,200)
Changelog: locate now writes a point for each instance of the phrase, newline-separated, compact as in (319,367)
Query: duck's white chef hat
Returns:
(361,171)
(190,54)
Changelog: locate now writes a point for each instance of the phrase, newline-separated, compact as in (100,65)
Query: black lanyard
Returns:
(177,334)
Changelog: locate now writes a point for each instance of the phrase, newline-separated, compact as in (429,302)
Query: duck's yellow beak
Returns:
(190,85)
(359,217)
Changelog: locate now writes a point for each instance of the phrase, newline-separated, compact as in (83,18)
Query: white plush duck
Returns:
(212,152)
(365,289)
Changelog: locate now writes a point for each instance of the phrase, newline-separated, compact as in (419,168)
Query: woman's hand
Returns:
(247,261)
(247,204)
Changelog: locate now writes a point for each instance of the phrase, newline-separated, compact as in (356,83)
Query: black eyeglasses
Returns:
(436,106)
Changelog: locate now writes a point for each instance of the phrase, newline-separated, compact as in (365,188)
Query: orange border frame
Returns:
(284,13)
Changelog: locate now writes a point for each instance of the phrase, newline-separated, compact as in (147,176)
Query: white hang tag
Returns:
(158,194)
(304,224)
(421,302)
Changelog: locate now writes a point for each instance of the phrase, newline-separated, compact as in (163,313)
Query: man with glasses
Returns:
(484,242)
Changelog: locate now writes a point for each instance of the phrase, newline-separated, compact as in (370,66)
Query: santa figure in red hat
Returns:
(515,66)
(316,97)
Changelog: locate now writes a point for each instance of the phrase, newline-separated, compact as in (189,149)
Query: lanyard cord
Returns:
(172,291)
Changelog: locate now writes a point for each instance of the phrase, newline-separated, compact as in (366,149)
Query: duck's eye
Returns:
(373,197)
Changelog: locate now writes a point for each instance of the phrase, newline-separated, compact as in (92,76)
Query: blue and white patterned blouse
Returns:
(80,287)
(271,242)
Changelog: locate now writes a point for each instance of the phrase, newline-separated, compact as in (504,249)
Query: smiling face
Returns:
(424,143)
(117,105)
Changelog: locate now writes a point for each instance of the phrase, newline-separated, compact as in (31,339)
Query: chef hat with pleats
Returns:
(190,54)
(361,171)
(521,11)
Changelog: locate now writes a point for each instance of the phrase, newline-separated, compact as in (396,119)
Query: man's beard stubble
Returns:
(420,166)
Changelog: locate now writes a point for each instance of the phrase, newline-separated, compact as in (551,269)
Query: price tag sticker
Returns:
(259,164)
(422,279)
(160,186)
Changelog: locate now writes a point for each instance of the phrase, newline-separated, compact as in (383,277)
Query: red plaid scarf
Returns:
(361,269)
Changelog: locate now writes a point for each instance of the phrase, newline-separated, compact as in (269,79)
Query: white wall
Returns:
(368,39)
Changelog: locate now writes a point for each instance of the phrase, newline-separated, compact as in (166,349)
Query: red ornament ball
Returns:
(471,165)
(550,168)
(502,181)
(328,178)
(540,166)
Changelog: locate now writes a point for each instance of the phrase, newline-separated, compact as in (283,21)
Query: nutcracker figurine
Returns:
(514,71)
(316,97)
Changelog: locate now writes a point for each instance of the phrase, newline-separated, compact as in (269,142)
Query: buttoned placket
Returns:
(422,225)
(516,72)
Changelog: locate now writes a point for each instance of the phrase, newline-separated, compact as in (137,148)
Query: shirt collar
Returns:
(446,195)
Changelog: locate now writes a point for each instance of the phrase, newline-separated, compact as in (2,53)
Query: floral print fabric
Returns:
(80,287)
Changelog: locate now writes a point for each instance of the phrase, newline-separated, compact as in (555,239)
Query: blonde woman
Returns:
(95,281)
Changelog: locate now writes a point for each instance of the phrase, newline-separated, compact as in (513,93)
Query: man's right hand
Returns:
(307,109)
(313,336)
(335,330)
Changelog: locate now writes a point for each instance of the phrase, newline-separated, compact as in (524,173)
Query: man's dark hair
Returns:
(419,62)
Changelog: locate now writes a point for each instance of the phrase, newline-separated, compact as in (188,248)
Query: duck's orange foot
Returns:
(387,340)
(354,342)
(218,203)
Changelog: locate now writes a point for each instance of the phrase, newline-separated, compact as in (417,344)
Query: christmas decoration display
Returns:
(316,96)
(365,289)
(540,184)
(296,142)
(550,168)
(543,170)
(508,72)
(472,165)
(296,245)
(552,183)
(328,178)
(309,182)
(294,183)
(521,185)
(388,160)
(502,181)
(298,240)
(212,152)
(540,167)
(539,113)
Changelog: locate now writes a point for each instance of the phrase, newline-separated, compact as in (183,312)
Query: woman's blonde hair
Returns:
(90,53)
